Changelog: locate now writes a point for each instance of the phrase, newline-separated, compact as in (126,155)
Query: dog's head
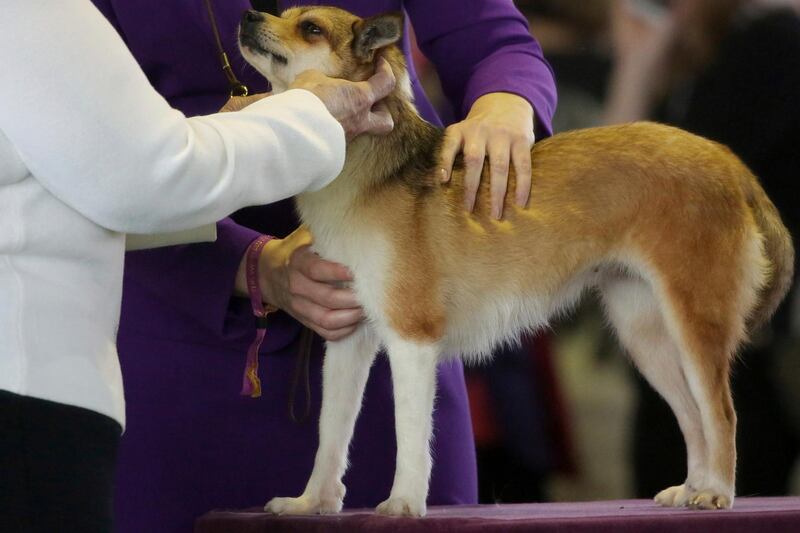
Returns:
(331,40)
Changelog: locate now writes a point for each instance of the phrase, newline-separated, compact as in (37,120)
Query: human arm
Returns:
(351,104)
(293,278)
(641,43)
(502,60)
(105,143)
(189,289)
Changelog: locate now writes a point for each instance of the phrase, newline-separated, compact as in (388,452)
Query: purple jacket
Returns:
(192,443)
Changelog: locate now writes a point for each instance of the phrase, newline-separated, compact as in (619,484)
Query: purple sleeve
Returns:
(488,44)
(197,279)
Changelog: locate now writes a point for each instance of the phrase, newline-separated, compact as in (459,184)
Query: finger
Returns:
(499,157)
(323,294)
(233,104)
(327,334)
(379,120)
(332,335)
(451,145)
(474,154)
(306,77)
(521,158)
(237,103)
(382,82)
(338,334)
(314,267)
(317,316)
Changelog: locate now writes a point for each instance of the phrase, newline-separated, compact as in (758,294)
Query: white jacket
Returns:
(89,151)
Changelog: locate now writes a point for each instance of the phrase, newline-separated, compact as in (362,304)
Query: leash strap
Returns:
(301,373)
(251,384)
(235,87)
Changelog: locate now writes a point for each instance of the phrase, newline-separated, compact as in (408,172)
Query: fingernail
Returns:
(443,174)
(496,213)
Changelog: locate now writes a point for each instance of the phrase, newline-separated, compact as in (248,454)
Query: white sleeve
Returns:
(94,132)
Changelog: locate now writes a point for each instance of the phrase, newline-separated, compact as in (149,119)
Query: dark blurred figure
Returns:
(520,424)
(573,35)
(728,70)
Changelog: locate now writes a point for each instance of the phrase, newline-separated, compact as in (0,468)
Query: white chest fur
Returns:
(363,249)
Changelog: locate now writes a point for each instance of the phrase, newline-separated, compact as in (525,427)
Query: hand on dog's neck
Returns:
(413,141)
(408,155)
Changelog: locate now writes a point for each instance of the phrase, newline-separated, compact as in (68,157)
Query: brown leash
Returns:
(301,371)
(235,87)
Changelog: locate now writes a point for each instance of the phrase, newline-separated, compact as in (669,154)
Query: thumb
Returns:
(382,82)
(380,121)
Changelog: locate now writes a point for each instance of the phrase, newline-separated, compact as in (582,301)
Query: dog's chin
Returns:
(266,66)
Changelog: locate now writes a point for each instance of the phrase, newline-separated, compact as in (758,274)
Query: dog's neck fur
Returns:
(407,156)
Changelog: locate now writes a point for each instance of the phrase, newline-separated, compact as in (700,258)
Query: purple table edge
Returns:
(749,515)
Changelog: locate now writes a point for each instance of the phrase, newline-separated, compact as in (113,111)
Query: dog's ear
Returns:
(376,32)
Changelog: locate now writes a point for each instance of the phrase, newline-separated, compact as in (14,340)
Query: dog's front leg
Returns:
(344,376)
(414,380)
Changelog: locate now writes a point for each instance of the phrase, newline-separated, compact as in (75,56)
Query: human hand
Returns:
(499,125)
(642,34)
(297,280)
(237,103)
(356,105)
(641,43)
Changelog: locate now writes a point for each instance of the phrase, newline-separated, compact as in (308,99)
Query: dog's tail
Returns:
(779,252)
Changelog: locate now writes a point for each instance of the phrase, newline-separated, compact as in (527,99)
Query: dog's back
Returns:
(605,202)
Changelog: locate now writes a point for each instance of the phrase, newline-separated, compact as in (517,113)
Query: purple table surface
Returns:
(749,515)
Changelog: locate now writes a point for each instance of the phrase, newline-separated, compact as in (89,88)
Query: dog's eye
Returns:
(309,28)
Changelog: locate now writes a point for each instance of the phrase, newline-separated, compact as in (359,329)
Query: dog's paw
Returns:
(683,496)
(676,496)
(397,506)
(303,505)
(709,499)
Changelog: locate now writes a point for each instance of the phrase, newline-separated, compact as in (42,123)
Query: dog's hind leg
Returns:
(706,326)
(414,381)
(705,305)
(637,318)
(344,376)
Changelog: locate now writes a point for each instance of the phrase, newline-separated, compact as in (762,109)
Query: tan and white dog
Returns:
(674,232)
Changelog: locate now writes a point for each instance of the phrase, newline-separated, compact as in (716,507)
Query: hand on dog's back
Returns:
(351,103)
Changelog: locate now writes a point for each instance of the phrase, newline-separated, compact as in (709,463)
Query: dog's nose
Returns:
(252,16)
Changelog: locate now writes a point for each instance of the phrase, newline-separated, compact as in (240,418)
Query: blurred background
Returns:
(565,416)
